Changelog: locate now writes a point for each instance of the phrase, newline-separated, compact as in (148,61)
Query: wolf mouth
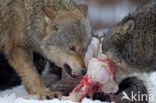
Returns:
(69,72)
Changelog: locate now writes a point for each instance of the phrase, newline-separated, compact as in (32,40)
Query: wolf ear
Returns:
(50,12)
(128,26)
(83,9)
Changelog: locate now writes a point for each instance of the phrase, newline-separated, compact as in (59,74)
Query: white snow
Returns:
(19,95)
(13,99)
(19,91)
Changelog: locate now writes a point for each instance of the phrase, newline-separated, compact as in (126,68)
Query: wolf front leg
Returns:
(21,60)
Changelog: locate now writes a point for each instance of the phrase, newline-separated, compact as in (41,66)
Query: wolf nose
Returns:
(83,72)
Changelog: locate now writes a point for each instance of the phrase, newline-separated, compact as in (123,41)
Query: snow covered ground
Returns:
(19,95)
(13,99)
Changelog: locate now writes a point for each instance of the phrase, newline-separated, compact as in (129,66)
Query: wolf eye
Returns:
(72,48)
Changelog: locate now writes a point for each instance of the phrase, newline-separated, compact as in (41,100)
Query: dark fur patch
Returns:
(8,77)
(129,85)
(101,97)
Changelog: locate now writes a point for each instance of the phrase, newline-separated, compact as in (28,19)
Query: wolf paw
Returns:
(49,95)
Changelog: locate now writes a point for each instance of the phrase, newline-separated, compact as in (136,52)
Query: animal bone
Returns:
(99,77)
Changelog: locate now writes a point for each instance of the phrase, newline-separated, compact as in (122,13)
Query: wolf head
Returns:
(68,36)
(131,43)
(117,42)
